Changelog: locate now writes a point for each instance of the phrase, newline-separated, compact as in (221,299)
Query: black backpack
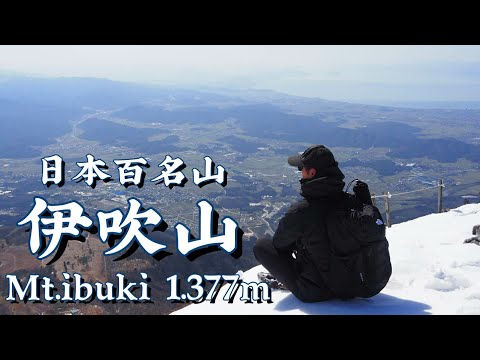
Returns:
(359,253)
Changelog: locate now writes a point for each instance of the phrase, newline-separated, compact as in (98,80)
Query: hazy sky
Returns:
(333,72)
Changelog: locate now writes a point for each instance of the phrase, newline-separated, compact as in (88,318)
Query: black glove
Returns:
(362,192)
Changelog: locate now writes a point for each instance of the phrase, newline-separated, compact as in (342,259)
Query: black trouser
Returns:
(282,267)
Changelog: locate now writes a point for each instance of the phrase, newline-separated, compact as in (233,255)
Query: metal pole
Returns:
(440,193)
(387,207)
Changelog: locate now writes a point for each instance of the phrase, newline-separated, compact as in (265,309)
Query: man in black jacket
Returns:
(286,256)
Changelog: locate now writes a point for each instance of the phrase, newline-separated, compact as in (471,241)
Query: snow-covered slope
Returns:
(434,272)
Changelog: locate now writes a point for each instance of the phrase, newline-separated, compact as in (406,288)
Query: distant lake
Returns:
(453,105)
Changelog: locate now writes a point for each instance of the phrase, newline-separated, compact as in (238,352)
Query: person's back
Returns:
(330,244)
(298,251)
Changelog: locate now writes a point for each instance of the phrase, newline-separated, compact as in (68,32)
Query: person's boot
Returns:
(271,281)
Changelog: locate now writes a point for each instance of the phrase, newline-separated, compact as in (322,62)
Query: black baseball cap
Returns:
(318,157)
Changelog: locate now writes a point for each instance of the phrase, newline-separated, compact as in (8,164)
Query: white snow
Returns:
(434,272)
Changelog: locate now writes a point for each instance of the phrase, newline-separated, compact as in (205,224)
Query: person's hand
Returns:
(362,192)
(360,186)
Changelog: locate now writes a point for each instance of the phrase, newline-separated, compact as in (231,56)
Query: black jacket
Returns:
(304,224)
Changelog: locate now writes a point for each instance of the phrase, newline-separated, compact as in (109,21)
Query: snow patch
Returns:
(447,282)
(474,296)
(474,263)
(471,307)
(434,272)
